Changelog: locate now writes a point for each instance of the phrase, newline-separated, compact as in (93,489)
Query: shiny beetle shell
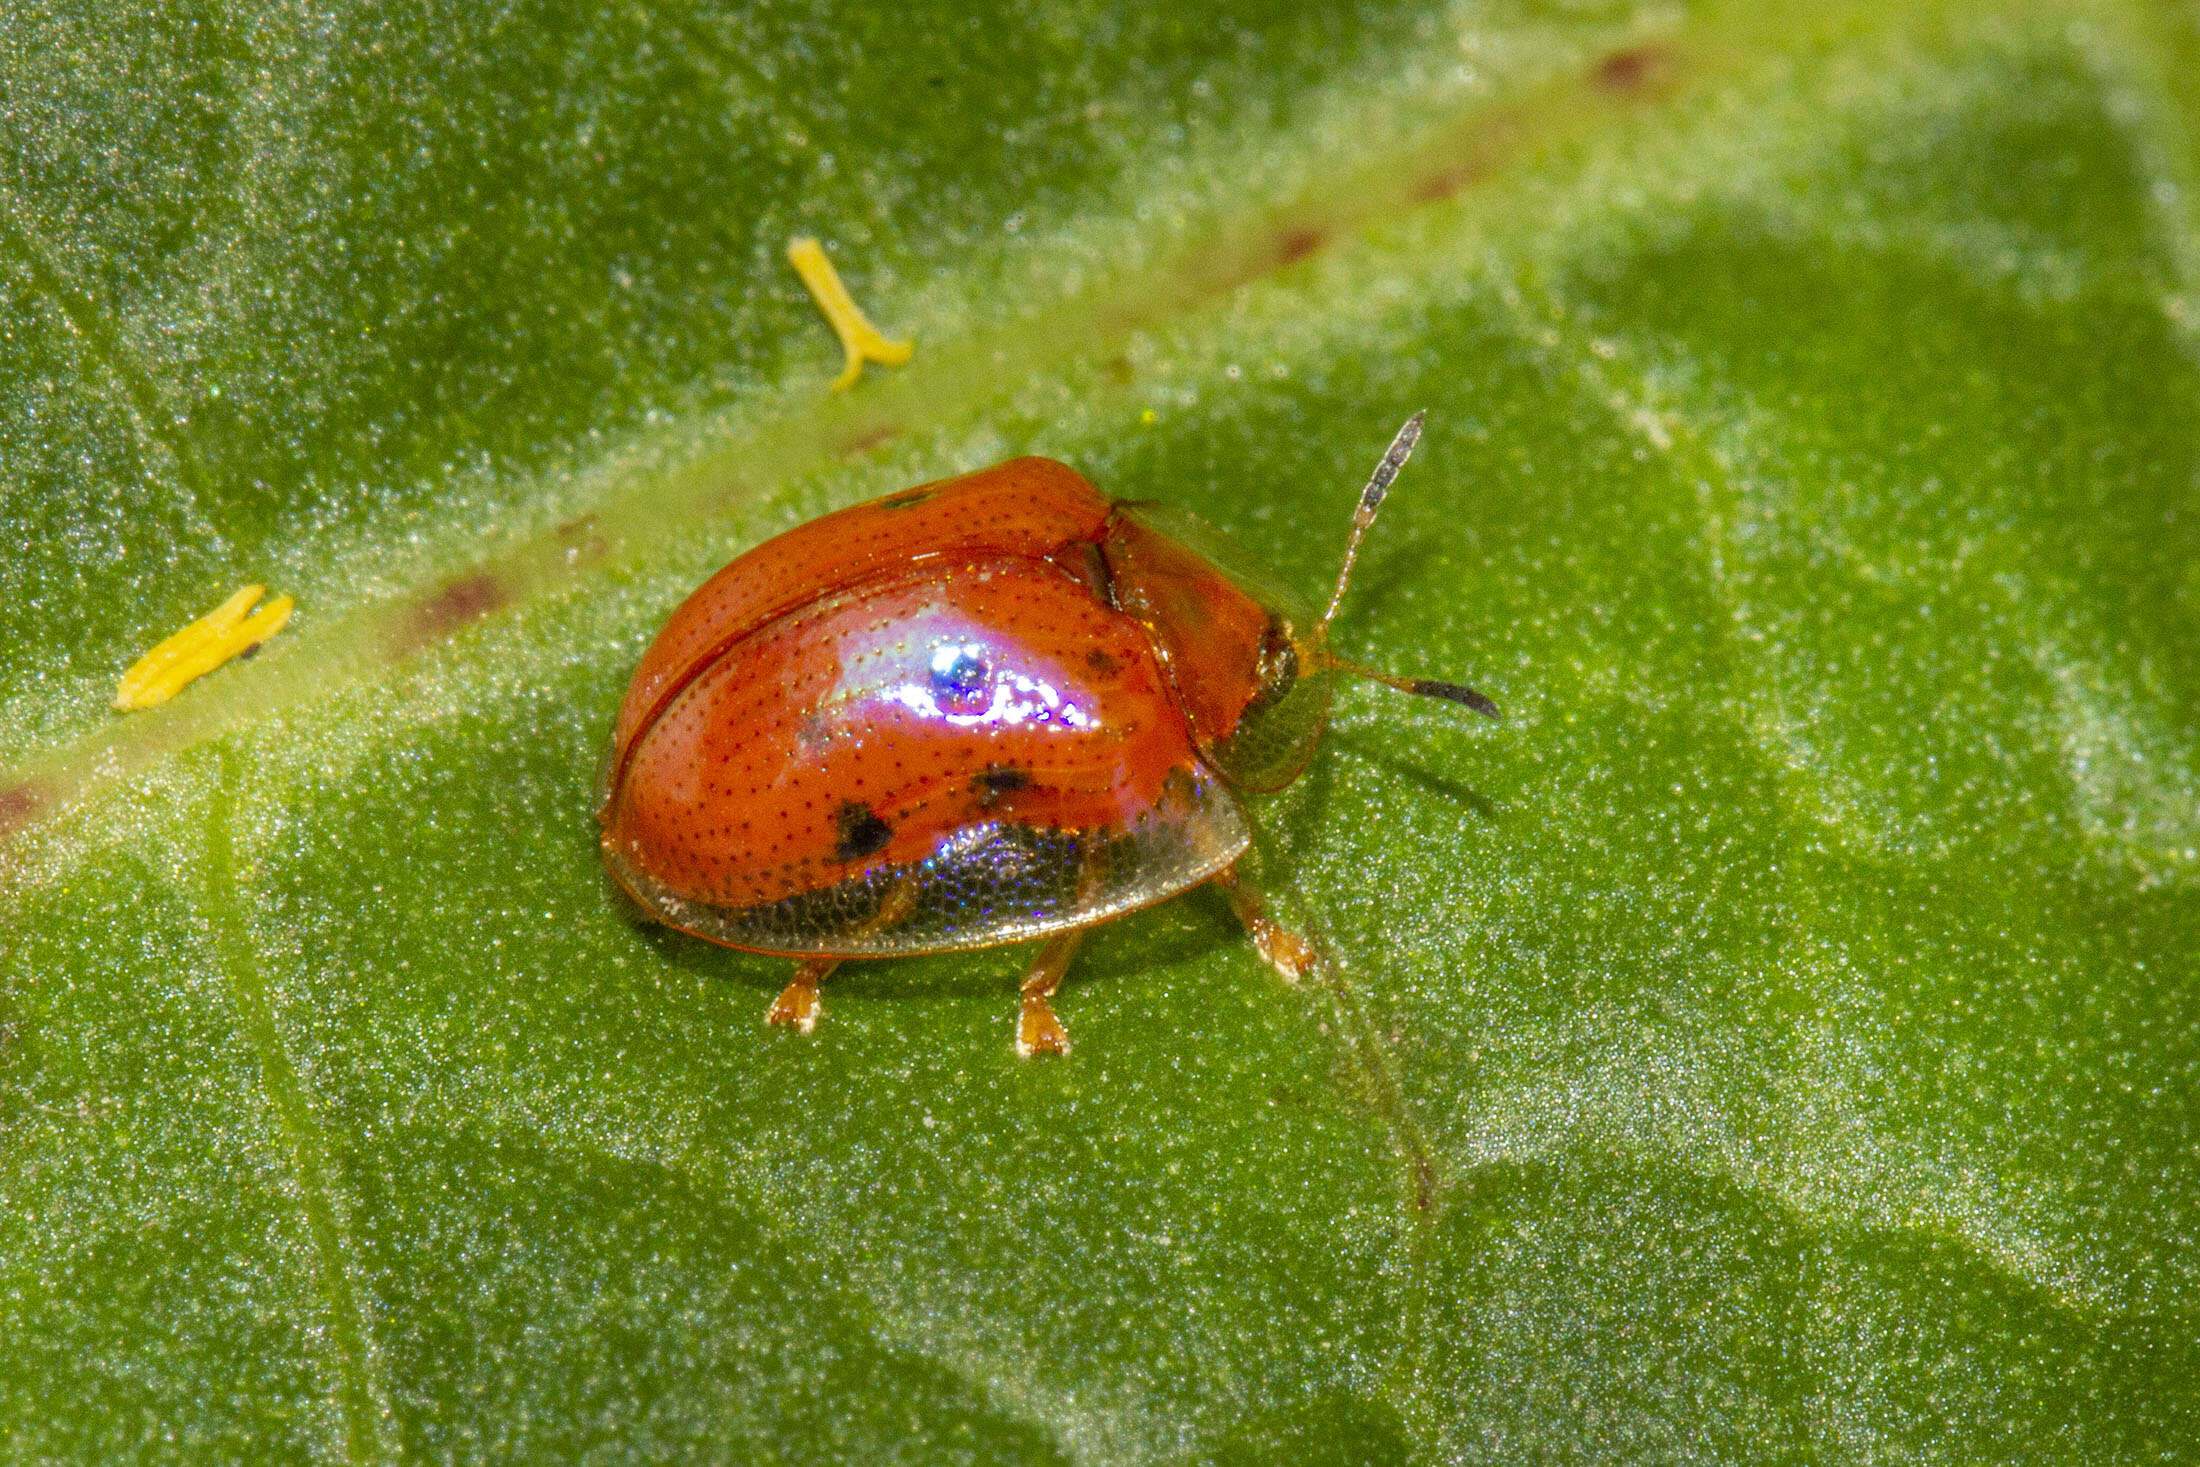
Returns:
(978,711)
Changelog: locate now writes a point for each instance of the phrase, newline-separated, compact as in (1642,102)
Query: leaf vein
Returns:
(363,1398)
(94,325)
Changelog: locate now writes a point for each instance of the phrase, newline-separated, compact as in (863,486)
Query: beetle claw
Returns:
(1038,1031)
(1291,955)
(797,1004)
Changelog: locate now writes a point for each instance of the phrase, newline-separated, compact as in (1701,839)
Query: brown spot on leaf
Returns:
(1442,184)
(870,438)
(1631,69)
(1296,244)
(461,602)
(1470,158)
(1424,1184)
(19,805)
(584,543)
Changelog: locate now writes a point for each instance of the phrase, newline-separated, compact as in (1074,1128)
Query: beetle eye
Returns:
(959,672)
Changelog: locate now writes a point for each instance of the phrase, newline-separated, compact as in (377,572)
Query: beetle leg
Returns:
(1037,1030)
(1284,950)
(797,1002)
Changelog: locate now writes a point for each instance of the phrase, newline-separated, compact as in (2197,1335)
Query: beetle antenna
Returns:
(1420,687)
(1371,500)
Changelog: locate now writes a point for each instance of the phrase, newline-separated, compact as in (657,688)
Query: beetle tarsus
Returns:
(1291,955)
(797,1005)
(1038,1031)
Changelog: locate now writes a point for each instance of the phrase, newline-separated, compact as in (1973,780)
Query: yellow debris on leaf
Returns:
(198,649)
(858,336)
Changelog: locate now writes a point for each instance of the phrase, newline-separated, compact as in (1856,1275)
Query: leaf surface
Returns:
(1777,1040)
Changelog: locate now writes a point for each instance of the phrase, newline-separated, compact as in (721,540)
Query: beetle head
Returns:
(1249,658)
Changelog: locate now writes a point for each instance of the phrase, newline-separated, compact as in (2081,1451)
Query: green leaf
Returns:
(1779,1039)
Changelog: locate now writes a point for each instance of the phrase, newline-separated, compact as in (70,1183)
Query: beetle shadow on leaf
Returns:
(1329,1428)
(686,954)
(678,950)
(1385,570)
(1173,932)
(1284,822)
(1441,786)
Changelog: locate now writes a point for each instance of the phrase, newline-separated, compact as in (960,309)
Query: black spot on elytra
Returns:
(859,833)
(1102,662)
(996,780)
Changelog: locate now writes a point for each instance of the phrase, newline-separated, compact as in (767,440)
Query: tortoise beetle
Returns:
(985,710)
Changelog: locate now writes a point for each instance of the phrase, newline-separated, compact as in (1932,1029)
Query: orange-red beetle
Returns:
(979,711)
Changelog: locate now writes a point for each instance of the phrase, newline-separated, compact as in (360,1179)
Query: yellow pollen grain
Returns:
(858,337)
(198,649)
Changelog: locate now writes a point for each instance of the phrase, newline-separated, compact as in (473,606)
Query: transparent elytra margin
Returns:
(984,884)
